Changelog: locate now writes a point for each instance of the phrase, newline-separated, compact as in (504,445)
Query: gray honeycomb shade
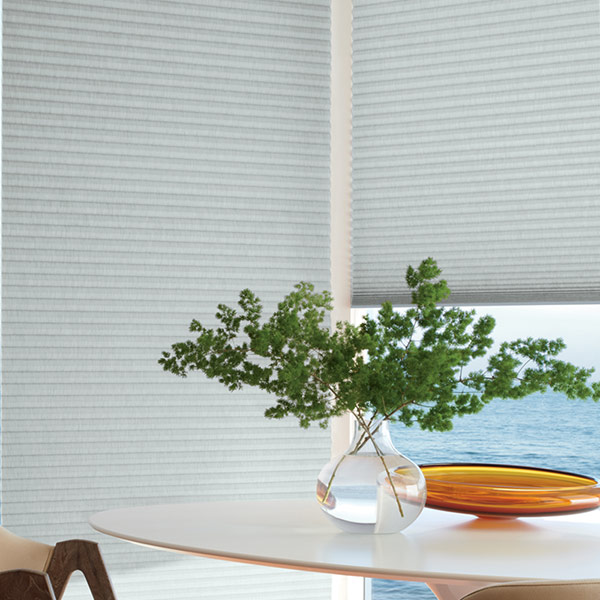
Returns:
(476,141)
(158,157)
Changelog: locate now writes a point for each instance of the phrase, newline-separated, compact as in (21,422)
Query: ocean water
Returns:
(542,430)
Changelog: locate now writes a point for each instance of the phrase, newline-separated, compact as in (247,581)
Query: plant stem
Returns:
(364,437)
(381,457)
(328,490)
(361,442)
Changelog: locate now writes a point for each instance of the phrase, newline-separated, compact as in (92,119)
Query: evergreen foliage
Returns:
(411,367)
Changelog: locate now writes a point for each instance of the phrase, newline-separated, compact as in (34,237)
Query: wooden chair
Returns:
(539,590)
(34,571)
(25,585)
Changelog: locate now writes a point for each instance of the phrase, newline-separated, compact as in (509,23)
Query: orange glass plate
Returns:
(503,491)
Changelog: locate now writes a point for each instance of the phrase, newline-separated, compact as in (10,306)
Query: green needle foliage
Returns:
(411,367)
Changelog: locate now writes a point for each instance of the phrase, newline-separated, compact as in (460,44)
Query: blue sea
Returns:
(542,430)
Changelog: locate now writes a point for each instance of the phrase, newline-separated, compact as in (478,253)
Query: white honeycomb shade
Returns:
(476,141)
(158,157)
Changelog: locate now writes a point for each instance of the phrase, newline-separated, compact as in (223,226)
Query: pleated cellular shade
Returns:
(476,141)
(158,157)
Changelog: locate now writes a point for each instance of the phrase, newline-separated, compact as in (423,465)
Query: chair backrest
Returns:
(539,590)
(84,556)
(20,553)
(25,566)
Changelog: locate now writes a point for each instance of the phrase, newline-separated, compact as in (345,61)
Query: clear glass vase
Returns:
(371,488)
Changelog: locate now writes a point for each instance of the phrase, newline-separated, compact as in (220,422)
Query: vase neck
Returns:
(379,431)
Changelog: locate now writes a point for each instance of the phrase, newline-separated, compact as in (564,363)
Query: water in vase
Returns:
(371,490)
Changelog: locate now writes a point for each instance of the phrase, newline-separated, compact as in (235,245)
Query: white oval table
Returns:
(454,554)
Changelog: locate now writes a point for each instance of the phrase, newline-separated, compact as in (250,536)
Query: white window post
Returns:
(343,588)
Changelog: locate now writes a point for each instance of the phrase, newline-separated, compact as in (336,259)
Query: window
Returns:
(544,430)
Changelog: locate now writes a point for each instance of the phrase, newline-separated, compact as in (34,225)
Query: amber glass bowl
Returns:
(503,491)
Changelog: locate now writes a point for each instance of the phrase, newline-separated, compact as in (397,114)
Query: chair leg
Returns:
(23,584)
(84,556)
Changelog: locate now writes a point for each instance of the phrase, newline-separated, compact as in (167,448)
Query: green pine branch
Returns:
(411,367)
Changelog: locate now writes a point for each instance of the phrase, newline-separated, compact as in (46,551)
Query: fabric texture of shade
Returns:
(476,141)
(159,156)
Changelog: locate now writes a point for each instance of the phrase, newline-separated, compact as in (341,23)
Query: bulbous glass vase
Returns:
(371,488)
